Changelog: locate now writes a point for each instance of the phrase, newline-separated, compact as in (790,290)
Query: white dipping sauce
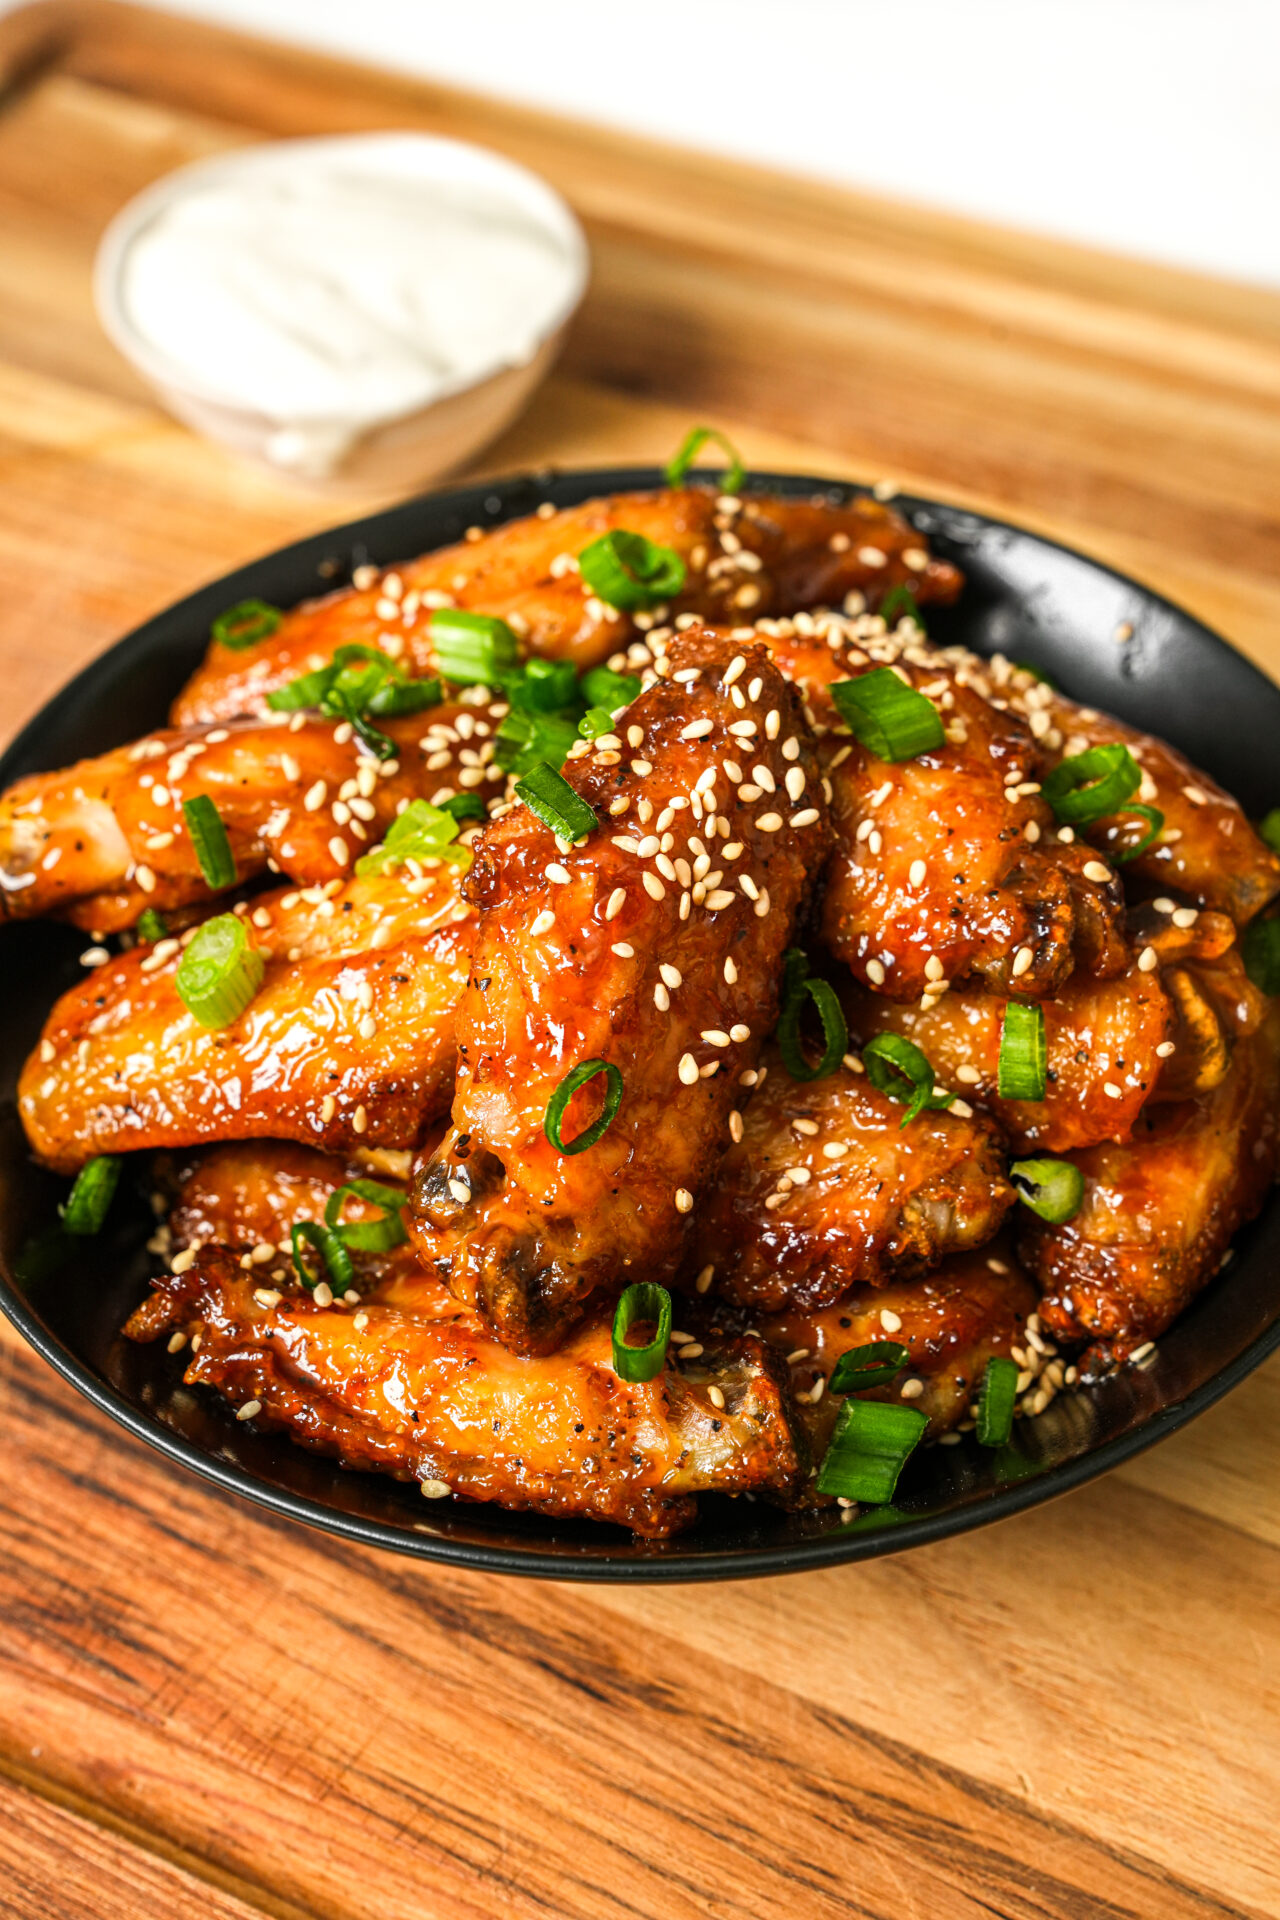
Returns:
(330,291)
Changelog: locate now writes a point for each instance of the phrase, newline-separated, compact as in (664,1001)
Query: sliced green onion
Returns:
(245,624)
(209,838)
(565,1092)
(649,1302)
(865,1367)
(151,926)
(1024,1062)
(734,475)
(405,696)
(526,740)
(996,1398)
(595,723)
(1088,786)
(798,988)
(472,647)
(368,1236)
(543,686)
(870,1446)
(1260,947)
(1051,1188)
(602,687)
(899,600)
(1155,820)
(421,832)
(336,1265)
(630,571)
(85,1208)
(897,1067)
(1269,829)
(219,972)
(892,720)
(463,806)
(549,795)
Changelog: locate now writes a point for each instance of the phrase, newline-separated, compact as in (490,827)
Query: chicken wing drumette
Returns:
(827,1190)
(97,843)
(656,946)
(1160,1211)
(348,1041)
(405,1380)
(947,864)
(751,554)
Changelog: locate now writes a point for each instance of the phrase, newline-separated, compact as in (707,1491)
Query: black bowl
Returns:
(1030,598)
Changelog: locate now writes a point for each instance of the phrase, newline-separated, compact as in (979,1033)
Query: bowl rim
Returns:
(597,1566)
(121,231)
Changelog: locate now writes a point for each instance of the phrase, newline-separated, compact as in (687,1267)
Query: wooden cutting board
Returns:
(207,1713)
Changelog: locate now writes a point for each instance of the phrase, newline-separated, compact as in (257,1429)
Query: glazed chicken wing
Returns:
(405,1380)
(1159,1212)
(348,1041)
(1207,849)
(756,553)
(104,839)
(827,1190)
(947,864)
(656,946)
(973,1308)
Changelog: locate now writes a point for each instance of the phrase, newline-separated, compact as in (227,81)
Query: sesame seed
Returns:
(704,1279)
(623,949)
(661,998)
(835,1149)
(555,872)
(730,971)
(748,886)
(875,973)
(1094,870)
(360,1120)
(544,923)
(1185,917)
(251,1407)
(916,876)
(339,850)
(968,1076)
(1164,1050)
(911,1389)
(435,1489)
(735,1127)
(652,886)
(890,1321)
(687,1069)
(684,1204)
(697,730)
(770,822)
(715,1037)
(1112,1091)
(671,975)
(721,897)
(1148,960)
(872,557)
(1023,960)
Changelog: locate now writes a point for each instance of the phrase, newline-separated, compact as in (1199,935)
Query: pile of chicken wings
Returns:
(665,1033)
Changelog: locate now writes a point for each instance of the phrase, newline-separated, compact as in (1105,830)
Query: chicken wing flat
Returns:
(827,1190)
(1159,1212)
(411,1383)
(1207,849)
(656,948)
(756,552)
(973,1308)
(348,1042)
(947,864)
(1161,1029)
(104,839)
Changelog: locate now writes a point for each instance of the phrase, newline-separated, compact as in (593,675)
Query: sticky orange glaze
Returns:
(848,1197)
(97,843)
(685,875)
(947,864)
(123,1065)
(410,1382)
(799,552)
(971,1309)
(1159,1212)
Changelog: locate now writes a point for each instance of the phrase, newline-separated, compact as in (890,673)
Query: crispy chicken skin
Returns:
(947,864)
(620,950)
(1208,849)
(1159,1212)
(797,1214)
(798,553)
(416,1386)
(972,1309)
(1183,988)
(104,839)
(123,1065)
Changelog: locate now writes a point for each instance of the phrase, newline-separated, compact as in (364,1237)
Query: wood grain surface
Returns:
(205,1712)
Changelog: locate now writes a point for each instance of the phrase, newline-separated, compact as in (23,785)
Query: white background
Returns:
(1147,126)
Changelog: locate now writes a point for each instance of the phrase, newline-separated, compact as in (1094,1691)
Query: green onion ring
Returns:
(996,1397)
(337,1261)
(549,795)
(86,1206)
(734,475)
(219,972)
(209,839)
(869,1447)
(630,571)
(245,624)
(368,1236)
(890,1060)
(578,1077)
(865,1367)
(890,719)
(645,1300)
(1155,819)
(1088,786)
(1023,1067)
(1053,1189)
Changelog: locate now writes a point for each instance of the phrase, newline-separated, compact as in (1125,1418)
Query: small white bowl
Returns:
(392,452)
